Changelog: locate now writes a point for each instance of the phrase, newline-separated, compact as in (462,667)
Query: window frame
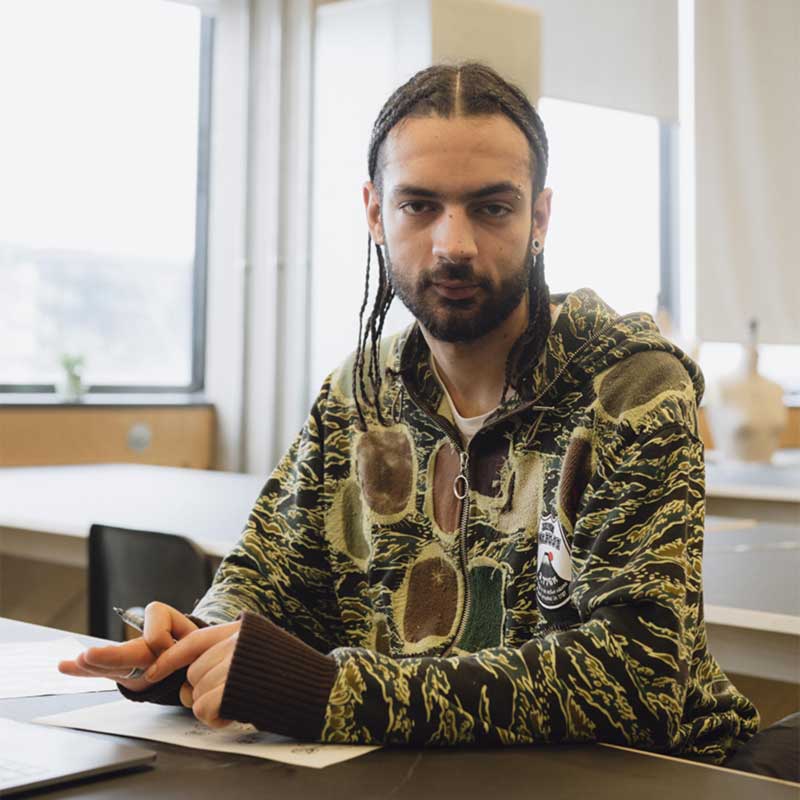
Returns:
(670,280)
(669,289)
(200,269)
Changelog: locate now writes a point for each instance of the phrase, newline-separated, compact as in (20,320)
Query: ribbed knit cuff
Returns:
(277,682)
(166,692)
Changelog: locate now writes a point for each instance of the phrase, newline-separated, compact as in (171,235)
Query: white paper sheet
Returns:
(29,669)
(177,726)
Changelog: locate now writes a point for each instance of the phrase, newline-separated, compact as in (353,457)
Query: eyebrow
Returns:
(503,187)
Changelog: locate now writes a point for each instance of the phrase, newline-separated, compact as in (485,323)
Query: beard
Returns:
(450,320)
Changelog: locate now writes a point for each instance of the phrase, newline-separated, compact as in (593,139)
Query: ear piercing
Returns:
(537,247)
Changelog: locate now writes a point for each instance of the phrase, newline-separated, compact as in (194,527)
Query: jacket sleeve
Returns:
(279,569)
(619,675)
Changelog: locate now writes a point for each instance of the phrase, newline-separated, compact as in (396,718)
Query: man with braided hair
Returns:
(489,531)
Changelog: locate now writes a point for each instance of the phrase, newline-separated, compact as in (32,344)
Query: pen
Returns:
(129,618)
(135,621)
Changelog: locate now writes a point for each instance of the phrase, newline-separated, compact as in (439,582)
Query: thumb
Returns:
(163,625)
(188,649)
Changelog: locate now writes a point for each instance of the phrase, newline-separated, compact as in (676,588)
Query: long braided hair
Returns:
(468,89)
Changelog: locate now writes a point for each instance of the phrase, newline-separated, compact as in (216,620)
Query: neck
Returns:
(475,372)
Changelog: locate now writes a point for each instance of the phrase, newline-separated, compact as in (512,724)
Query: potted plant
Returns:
(71,388)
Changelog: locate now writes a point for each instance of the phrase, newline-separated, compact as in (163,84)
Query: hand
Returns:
(209,651)
(163,626)
(114,662)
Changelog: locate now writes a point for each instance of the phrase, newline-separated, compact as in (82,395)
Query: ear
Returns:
(372,205)
(541,214)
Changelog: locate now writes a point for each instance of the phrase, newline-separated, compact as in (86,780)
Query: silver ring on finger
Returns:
(136,672)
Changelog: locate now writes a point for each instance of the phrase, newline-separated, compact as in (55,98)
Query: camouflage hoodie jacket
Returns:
(541,585)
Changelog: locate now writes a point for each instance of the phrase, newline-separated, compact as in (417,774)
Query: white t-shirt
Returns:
(467,426)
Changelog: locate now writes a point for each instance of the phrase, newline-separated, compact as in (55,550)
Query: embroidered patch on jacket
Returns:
(575,475)
(486,612)
(385,469)
(446,506)
(432,600)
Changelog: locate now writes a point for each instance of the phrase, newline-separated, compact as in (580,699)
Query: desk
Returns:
(551,772)
(767,492)
(50,509)
(752,599)
(46,513)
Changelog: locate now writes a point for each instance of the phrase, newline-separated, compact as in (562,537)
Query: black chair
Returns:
(774,752)
(129,568)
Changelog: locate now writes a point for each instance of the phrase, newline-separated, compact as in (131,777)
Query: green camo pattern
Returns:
(356,546)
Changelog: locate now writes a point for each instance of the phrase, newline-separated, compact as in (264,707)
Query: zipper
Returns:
(557,627)
(461,491)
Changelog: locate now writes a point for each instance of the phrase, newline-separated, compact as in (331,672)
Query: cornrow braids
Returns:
(529,347)
(358,370)
(468,89)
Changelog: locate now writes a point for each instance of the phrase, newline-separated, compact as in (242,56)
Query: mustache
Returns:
(463,272)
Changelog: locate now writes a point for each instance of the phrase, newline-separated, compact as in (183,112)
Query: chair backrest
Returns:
(130,568)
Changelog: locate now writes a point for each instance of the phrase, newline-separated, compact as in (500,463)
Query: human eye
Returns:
(494,210)
(416,208)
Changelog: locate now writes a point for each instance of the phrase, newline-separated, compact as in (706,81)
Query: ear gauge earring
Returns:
(537,247)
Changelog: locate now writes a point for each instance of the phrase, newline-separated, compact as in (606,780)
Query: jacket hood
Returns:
(588,337)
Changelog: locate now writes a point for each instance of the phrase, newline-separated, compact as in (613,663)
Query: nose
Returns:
(453,236)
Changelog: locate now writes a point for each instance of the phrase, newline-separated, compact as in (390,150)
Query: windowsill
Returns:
(45,399)
(790,400)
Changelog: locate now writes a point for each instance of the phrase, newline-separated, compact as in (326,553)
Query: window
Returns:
(103,197)
(779,363)
(605,230)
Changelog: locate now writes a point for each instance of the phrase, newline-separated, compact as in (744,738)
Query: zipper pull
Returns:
(461,481)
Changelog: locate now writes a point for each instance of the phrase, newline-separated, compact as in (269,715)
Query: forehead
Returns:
(456,153)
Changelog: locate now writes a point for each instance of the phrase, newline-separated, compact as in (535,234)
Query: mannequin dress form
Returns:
(746,412)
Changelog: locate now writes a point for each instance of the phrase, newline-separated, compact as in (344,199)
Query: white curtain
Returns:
(747,115)
(208,7)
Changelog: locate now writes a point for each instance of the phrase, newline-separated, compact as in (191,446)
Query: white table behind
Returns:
(211,508)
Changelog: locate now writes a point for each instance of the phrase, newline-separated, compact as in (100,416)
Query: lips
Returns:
(455,290)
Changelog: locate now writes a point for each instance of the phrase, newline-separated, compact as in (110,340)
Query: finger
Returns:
(181,654)
(102,671)
(163,625)
(95,672)
(78,668)
(119,674)
(206,709)
(122,677)
(219,723)
(188,649)
(186,695)
(208,660)
(76,671)
(123,657)
(216,676)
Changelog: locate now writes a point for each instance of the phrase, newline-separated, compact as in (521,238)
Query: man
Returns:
(490,528)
